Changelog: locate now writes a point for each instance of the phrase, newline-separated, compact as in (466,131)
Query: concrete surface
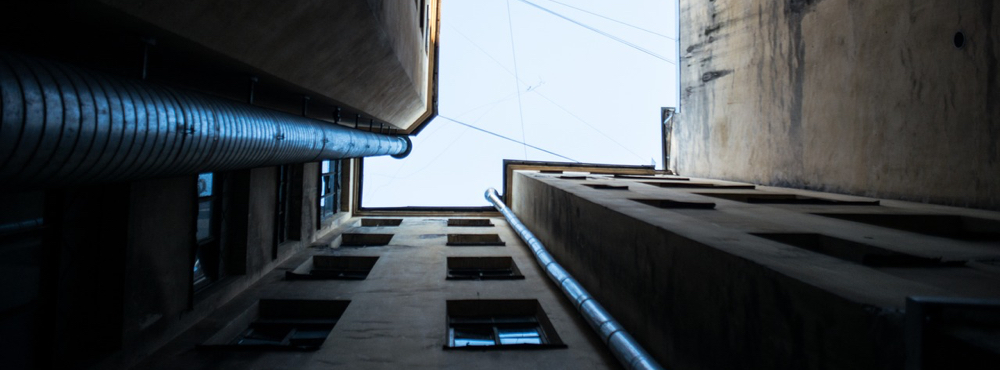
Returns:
(396,317)
(699,291)
(867,98)
(367,54)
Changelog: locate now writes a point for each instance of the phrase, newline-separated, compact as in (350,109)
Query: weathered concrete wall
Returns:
(860,97)
(337,49)
(699,291)
(397,317)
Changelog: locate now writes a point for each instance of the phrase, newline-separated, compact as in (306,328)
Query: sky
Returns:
(588,93)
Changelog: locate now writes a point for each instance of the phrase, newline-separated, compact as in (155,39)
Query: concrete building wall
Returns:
(397,316)
(692,283)
(868,98)
(347,51)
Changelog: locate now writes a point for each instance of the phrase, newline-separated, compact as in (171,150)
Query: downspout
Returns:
(622,345)
(61,125)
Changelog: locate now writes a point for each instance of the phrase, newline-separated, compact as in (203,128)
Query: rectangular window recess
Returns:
(847,250)
(367,222)
(776,198)
(652,177)
(286,325)
(674,204)
(607,186)
(498,325)
(336,268)
(947,226)
(483,268)
(697,185)
(365,240)
(568,177)
(473,240)
(472,222)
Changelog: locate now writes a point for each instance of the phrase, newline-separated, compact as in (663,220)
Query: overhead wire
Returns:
(474,43)
(614,20)
(605,34)
(507,138)
(520,110)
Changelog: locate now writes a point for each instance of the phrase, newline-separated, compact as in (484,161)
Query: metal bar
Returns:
(61,125)
(622,345)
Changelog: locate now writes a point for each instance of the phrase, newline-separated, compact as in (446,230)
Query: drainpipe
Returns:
(666,132)
(61,125)
(622,345)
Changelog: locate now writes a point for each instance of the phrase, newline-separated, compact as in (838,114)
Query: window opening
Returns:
(499,324)
(376,222)
(778,198)
(470,222)
(847,250)
(207,259)
(365,240)
(334,268)
(607,186)
(947,226)
(474,240)
(696,185)
(329,189)
(483,268)
(675,204)
(287,325)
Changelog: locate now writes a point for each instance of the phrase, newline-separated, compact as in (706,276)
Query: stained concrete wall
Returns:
(859,97)
(699,291)
(397,317)
(346,51)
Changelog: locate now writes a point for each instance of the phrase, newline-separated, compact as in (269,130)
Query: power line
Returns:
(507,138)
(543,95)
(614,20)
(517,87)
(605,34)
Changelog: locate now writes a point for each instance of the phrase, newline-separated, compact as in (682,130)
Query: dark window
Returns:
(497,324)
(608,186)
(856,252)
(946,226)
(288,325)
(365,240)
(482,268)
(696,185)
(329,189)
(375,222)
(471,240)
(336,268)
(780,198)
(207,261)
(674,204)
(474,222)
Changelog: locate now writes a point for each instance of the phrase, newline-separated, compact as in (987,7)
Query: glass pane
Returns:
(519,336)
(205,184)
(465,337)
(325,167)
(199,273)
(325,188)
(205,220)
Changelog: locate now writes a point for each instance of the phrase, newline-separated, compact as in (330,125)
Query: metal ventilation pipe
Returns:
(622,345)
(61,125)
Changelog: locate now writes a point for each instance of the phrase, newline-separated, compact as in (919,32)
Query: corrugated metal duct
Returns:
(62,125)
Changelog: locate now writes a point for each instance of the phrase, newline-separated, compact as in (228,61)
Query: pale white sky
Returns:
(583,95)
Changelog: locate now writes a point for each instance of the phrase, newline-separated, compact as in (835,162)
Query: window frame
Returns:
(328,190)
(208,250)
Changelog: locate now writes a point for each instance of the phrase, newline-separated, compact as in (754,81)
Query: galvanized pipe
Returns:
(61,125)
(622,345)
